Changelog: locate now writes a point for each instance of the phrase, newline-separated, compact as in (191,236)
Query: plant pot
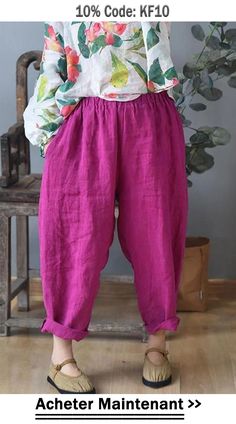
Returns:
(193,288)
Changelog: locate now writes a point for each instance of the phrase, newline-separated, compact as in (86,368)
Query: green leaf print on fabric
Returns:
(46,32)
(171,73)
(52,126)
(158,27)
(143,55)
(98,43)
(67,102)
(81,33)
(120,73)
(66,86)
(50,94)
(117,41)
(53,36)
(60,40)
(155,73)
(43,80)
(137,46)
(152,38)
(62,68)
(48,116)
(84,49)
(140,71)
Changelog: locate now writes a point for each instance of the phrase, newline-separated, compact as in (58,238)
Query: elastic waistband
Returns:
(143,98)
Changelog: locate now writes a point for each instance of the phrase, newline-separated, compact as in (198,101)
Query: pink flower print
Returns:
(51,33)
(111,95)
(175,81)
(109,38)
(119,28)
(150,86)
(91,33)
(96,27)
(51,43)
(107,26)
(66,110)
(72,59)
(72,73)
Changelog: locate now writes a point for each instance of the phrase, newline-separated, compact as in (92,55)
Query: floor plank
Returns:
(202,351)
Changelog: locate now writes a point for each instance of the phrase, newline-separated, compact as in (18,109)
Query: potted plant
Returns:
(216,61)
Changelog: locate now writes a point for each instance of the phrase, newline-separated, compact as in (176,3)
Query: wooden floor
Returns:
(202,351)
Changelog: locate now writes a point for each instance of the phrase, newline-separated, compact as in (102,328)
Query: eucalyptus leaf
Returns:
(198,32)
(206,79)
(230,34)
(211,94)
(233,45)
(199,138)
(213,42)
(217,135)
(201,161)
(189,69)
(197,82)
(232,82)
(225,70)
(197,106)
(220,136)
(207,130)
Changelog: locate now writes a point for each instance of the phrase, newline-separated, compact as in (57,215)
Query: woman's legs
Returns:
(76,221)
(153,206)
(62,349)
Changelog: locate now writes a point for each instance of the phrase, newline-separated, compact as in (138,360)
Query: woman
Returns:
(106,123)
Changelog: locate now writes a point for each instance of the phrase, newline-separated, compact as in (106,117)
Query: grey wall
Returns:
(212,199)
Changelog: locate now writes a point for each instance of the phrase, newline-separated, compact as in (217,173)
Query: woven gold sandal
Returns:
(67,384)
(156,375)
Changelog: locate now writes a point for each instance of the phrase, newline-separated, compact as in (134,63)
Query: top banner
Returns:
(113,10)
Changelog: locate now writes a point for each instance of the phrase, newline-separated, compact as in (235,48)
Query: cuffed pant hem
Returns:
(59,330)
(170,325)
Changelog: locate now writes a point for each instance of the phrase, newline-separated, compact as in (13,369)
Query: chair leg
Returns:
(5,273)
(22,258)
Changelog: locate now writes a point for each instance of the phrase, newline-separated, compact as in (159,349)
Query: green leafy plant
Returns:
(216,61)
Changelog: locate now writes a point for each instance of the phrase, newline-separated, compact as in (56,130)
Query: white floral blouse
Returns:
(112,60)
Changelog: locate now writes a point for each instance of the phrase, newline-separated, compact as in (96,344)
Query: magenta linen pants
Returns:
(133,151)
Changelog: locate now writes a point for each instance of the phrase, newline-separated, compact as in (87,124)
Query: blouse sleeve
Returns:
(42,117)
(168,25)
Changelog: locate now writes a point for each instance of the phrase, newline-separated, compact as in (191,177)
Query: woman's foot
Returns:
(62,349)
(157,340)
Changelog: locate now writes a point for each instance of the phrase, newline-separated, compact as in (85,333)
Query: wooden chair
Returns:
(19,197)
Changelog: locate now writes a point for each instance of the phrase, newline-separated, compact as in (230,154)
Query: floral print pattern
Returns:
(112,60)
